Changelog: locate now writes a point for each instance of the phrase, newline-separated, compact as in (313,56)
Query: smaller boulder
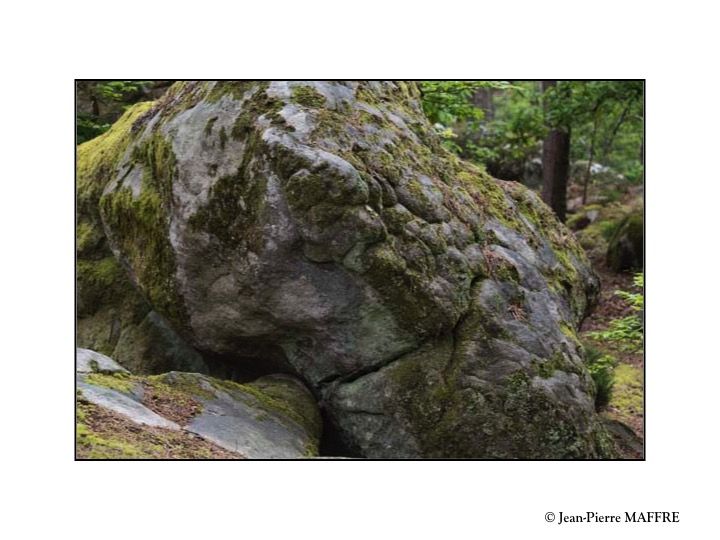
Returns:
(273,417)
(625,249)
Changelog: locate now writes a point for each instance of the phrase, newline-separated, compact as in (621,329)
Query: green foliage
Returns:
(607,228)
(514,134)
(119,90)
(88,127)
(602,370)
(108,100)
(448,102)
(627,332)
(605,116)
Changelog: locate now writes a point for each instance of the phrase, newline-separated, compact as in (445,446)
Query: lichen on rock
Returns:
(431,308)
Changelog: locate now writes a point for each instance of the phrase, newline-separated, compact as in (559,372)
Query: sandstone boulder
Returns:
(320,228)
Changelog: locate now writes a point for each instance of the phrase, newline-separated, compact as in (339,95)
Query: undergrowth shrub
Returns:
(602,370)
(627,332)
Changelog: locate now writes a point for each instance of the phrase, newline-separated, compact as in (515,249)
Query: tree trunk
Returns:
(556,164)
(588,172)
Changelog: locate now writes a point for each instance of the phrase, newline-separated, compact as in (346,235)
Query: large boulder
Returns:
(320,228)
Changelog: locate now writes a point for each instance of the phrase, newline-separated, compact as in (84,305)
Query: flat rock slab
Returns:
(242,419)
(243,428)
(122,403)
(88,361)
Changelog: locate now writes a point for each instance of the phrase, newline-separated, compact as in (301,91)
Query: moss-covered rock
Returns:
(595,225)
(326,219)
(113,316)
(625,248)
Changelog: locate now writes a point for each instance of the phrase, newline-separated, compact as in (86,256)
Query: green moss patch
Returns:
(140,226)
(98,158)
(177,383)
(258,104)
(122,382)
(627,395)
(307,96)
(235,89)
(100,282)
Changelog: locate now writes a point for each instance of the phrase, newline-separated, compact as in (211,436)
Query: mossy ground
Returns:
(176,404)
(627,396)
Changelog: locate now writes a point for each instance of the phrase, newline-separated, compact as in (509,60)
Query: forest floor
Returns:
(627,403)
(627,400)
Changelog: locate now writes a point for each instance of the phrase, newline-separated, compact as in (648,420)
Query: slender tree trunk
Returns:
(588,171)
(556,164)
